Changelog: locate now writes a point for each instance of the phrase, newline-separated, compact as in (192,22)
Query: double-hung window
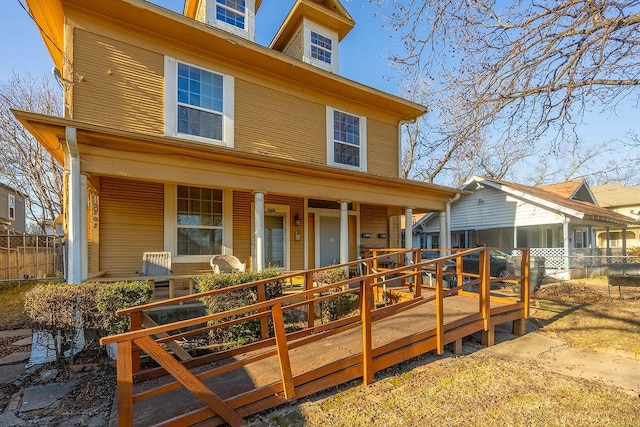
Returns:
(199,221)
(346,140)
(198,103)
(232,12)
(11,199)
(321,47)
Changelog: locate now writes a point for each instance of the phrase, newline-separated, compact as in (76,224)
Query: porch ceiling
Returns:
(111,152)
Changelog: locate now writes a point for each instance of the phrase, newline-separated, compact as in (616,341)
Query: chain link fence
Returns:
(585,262)
(25,256)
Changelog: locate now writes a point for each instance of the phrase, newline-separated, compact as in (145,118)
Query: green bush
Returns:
(340,306)
(634,254)
(244,332)
(62,309)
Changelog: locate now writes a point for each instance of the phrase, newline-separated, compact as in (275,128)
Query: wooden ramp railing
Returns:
(283,365)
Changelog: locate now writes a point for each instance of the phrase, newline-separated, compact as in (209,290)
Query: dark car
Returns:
(500,265)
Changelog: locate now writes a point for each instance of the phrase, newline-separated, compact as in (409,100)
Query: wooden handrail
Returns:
(149,339)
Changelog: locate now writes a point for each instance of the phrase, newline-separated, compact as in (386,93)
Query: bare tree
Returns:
(24,163)
(519,71)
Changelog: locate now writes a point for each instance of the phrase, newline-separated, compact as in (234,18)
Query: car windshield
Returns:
(500,254)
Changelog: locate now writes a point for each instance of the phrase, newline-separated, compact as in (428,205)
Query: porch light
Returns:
(297,221)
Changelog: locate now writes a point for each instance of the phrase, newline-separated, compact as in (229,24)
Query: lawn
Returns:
(12,303)
(487,390)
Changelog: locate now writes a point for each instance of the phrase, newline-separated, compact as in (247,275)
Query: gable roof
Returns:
(564,189)
(567,206)
(617,195)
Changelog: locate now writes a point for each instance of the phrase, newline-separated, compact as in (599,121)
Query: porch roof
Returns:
(108,151)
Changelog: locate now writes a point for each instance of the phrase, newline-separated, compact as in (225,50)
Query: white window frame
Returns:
(171,225)
(248,32)
(330,141)
(171,105)
(310,26)
(11,206)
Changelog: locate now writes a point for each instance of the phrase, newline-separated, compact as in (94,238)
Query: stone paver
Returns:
(15,333)
(10,373)
(9,419)
(22,343)
(17,357)
(40,397)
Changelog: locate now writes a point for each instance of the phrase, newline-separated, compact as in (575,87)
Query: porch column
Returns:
(84,243)
(76,209)
(515,236)
(608,244)
(344,231)
(565,235)
(624,243)
(259,230)
(443,234)
(408,234)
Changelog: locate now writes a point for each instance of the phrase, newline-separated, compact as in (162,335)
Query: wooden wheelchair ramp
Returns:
(226,387)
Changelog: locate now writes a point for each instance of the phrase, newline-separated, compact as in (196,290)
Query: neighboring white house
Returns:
(12,209)
(624,200)
(556,222)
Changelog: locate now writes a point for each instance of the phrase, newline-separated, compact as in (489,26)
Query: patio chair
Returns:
(156,264)
(226,264)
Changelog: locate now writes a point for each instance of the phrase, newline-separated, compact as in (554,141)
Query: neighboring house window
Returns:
(232,12)
(346,139)
(321,47)
(12,206)
(199,217)
(198,103)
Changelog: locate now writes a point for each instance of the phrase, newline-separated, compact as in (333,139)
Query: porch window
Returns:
(199,217)
(198,103)
(12,206)
(346,140)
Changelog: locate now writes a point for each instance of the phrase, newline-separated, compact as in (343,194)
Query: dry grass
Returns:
(487,390)
(12,303)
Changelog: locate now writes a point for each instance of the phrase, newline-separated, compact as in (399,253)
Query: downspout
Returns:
(74,230)
(447,210)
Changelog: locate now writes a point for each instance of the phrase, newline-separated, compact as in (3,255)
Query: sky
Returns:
(362,56)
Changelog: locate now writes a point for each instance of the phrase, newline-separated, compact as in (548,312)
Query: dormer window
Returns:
(321,47)
(232,12)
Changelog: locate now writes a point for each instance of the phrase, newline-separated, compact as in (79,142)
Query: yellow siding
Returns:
(382,148)
(295,48)
(277,124)
(374,220)
(131,222)
(122,85)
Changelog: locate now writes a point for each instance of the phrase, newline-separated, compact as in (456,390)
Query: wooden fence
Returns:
(24,256)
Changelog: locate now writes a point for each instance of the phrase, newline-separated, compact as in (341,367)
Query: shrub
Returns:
(62,309)
(340,306)
(634,254)
(244,332)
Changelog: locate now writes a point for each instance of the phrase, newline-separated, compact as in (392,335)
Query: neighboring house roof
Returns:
(568,189)
(553,200)
(617,195)
(181,31)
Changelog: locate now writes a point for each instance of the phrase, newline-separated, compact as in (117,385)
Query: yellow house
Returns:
(182,134)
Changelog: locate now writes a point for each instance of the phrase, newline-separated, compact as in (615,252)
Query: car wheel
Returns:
(503,273)
(515,289)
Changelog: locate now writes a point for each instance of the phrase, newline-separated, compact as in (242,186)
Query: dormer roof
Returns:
(330,14)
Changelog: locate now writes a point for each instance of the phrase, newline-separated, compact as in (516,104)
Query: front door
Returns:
(274,240)
(328,240)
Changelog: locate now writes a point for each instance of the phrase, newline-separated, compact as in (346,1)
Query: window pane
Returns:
(200,123)
(231,12)
(197,241)
(346,154)
(321,47)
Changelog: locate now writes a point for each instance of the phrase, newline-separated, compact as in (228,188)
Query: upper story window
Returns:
(232,12)
(320,46)
(198,103)
(346,140)
(12,206)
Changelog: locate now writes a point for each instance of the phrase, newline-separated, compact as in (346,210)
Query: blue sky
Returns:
(362,56)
